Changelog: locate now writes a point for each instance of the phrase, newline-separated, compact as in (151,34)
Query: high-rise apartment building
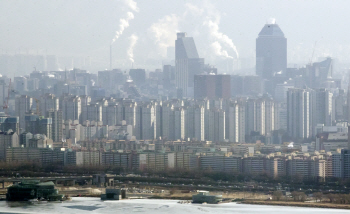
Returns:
(341,164)
(167,121)
(235,121)
(38,125)
(260,116)
(23,104)
(340,106)
(71,108)
(148,122)
(323,107)
(132,117)
(112,115)
(92,112)
(215,125)
(7,123)
(300,104)
(187,64)
(3,92)
(48,102)
(199,127)
(57,125)
(8,139)
(271,51)
(20,84)
(179,123)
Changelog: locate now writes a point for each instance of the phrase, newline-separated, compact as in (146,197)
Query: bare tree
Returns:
(299,196)
(347,198)
(277,195)
(302,197)
(331,198)
(295,195)
(318,196)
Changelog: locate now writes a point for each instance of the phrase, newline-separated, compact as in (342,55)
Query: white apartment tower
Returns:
(260,116)
(179,123)
(57,125)
(299,112)
(235,122)
(269,116)
(199,127)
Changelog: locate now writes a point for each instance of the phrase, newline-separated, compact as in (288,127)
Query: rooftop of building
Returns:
(271,30)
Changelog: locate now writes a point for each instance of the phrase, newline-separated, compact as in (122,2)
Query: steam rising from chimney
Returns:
(271,21)
(163,32)
(133,40)
(124,22)
(221,39)
(219,51)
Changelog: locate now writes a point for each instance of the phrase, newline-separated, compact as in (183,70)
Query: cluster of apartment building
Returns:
(218,120)
(158,155)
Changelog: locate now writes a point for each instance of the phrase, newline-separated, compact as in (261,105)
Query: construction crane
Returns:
(6,104)
(313,52)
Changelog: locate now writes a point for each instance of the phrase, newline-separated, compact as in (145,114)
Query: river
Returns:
(150,206)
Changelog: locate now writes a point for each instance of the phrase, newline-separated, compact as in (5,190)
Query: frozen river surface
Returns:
(147,206)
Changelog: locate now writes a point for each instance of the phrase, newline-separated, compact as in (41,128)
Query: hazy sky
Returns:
(86,28)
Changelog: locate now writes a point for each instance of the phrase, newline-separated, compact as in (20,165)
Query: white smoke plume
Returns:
(132,5)
(133,40)
(163,32)
(219,37)
(124,22)
(271,21)
(217,48)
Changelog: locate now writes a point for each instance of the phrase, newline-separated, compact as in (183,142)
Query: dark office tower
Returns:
(187,64)
(271,51)
(212,86)
(223,86)
(236,85)
(168,76)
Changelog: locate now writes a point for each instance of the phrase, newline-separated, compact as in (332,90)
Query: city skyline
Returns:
(205,17)
(194,93)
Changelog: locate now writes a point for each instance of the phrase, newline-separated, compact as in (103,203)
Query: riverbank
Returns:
(154,192)
(297,204)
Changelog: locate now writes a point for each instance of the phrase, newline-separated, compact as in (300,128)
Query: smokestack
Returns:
(110,57)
